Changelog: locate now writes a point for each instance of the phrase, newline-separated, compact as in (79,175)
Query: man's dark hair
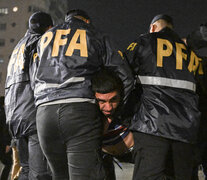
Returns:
(106,81)
(76,12)
(165,17)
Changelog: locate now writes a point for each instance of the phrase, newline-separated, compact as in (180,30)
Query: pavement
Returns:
(125,173)
(127,170)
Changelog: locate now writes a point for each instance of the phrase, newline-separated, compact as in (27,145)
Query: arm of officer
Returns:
(131,56)
(113,61)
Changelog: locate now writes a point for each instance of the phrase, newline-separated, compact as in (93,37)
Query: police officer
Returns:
(19,99)
(197,41)
(68,122)
(168,116)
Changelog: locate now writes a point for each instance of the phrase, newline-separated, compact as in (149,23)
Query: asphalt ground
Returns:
(127,170)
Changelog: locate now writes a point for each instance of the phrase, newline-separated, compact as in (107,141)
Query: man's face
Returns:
(108,102)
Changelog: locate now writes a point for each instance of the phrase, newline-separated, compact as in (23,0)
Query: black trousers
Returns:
(203,152)
(108,163)
(70,136)
(151,158)
(201,147)
(6,160)
(33,162)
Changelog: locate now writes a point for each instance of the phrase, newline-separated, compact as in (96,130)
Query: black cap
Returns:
(76,12)
(165,17)
(39,21)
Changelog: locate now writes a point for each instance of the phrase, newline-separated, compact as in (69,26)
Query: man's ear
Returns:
(153,27)
(87,21)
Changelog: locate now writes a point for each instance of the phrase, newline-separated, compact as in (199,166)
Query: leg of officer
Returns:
(37,161)
(70,138)
(150,157)
(83,140)
(22,146)
(51,141)
(183,160)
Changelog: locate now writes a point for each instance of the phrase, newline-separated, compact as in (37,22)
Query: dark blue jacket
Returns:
(70,54)
(19,97)
(165,70)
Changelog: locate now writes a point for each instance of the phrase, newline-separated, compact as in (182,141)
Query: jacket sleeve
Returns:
(131,56)
(113,61)
(31,57)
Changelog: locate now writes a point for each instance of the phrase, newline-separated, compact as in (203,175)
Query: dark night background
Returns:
(124,20)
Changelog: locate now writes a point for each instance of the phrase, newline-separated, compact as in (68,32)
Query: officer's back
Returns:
(168,116)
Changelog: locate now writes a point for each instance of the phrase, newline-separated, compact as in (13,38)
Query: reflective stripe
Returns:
(72,80)
(42,86)
(69,100)
(160,81)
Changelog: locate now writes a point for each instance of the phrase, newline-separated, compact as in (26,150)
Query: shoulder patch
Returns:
(132,46)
